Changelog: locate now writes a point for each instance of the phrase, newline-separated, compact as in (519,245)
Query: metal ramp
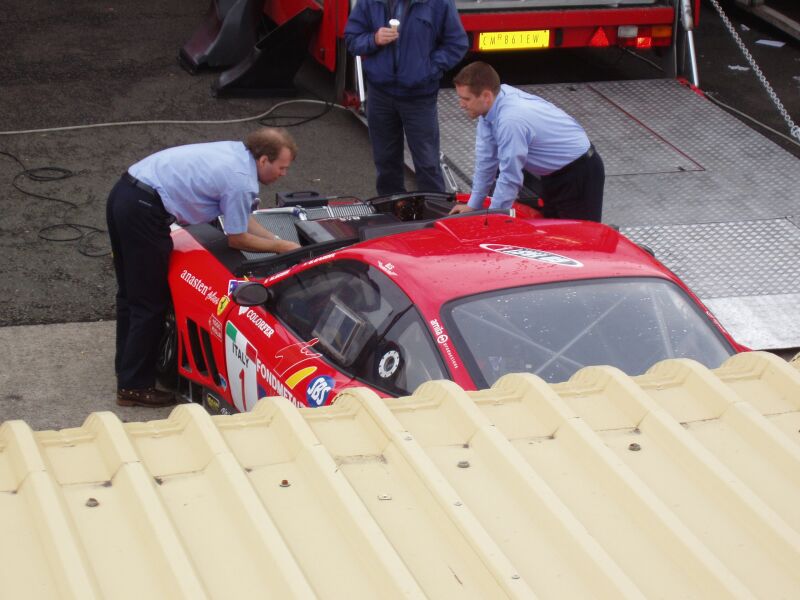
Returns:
(717,202)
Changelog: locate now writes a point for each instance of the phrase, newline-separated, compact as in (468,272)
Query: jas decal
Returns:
(319,390)
(533,254)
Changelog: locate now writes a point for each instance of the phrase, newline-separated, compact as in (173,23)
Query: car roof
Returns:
(458,256)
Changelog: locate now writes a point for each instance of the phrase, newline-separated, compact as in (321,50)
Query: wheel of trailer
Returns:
(167,360)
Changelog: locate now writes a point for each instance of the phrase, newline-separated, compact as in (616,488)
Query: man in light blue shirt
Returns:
(191,184)
(519,132)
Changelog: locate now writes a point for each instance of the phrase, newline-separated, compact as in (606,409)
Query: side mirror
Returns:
(250,293)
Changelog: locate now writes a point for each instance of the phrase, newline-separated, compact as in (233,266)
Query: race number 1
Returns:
(240,356)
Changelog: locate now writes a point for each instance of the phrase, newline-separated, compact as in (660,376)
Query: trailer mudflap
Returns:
(273,62)
(224,38)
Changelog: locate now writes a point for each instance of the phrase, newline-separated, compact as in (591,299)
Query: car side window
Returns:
(365,324)
(403,357)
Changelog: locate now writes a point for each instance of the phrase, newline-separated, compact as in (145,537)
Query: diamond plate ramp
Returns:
(747,273)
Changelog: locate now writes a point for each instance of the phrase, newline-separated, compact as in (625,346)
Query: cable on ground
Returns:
(85,234)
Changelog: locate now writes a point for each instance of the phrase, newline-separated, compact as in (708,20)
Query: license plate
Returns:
(514,40)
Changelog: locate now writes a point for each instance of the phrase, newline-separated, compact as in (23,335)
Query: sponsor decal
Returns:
(222,305)
(215,326)
(256,320)
(233,284)
(212,296)
(198,284)
(322,258)
(444,341)
(240,356)
(275,383)
(263,392)
(251,379)
(297,377)
(292,355)
(319,390)
(212,403)
(195,282)
(438,330)
(389,364)
(387,268)
(533,254)
(277,276)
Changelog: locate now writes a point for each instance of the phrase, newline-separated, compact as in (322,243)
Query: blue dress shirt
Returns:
(521,131)
(199,182)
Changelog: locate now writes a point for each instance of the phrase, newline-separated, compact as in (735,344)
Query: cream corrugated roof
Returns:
(682,482)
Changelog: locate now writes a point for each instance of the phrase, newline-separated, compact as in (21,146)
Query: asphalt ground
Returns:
(90,62)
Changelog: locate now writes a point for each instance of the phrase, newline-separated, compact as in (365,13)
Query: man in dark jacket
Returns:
(403,63)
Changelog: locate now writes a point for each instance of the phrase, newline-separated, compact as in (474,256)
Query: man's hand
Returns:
(252,242)
(460,208)
(285,246)
(385,36)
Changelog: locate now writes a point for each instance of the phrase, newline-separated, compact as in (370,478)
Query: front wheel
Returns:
(167,361)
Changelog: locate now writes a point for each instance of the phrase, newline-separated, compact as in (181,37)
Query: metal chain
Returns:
(794,129)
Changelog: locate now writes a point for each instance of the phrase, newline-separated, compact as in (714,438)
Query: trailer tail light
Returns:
(662,31)
(644,36)
(599,39)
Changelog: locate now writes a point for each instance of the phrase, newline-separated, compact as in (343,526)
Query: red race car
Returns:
(391,292)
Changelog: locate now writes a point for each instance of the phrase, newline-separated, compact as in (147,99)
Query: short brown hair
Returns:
(269,141)
(478,76)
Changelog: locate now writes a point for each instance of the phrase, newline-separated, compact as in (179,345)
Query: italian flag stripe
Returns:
(231,331)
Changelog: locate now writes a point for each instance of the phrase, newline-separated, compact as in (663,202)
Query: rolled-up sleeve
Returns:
(235,208)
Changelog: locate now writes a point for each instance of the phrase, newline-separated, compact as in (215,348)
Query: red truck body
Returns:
(494,27)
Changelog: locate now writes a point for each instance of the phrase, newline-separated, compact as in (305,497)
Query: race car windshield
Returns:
(554,330)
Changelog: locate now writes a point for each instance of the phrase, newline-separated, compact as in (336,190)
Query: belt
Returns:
(141,185)
(585,156)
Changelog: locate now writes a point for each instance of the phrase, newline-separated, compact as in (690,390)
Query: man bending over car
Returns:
(518,134)
(189,184)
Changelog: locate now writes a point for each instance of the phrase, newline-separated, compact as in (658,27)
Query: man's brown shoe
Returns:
(145,397)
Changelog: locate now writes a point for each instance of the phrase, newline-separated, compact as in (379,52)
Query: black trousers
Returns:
(575,191)
(138,227)
(388,118)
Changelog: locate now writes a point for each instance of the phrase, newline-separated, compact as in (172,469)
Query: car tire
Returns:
(167,360)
